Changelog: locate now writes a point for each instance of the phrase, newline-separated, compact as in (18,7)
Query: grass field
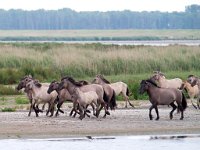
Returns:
(69,35)
(131,64)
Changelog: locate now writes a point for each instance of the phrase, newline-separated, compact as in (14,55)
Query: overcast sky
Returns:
(99,5)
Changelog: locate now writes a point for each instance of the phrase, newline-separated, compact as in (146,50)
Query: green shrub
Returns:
(8,90)
(20,100)
(8,109)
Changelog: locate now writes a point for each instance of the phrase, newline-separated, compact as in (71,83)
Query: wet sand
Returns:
(121,122)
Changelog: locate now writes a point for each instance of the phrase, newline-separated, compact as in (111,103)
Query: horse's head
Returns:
(29,85)
(99,79)
(192,80)
(53,86)
(23,82)
(143,86)
(96,80)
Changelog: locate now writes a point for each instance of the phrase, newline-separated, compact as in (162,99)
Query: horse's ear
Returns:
(37,83)
(30,76)
(156,72)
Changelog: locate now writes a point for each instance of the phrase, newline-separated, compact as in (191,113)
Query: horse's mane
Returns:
(152,82)
(191,75)
(37,83)
(72,81)
(102,78)
(83,82)
(27,76)
(54,81)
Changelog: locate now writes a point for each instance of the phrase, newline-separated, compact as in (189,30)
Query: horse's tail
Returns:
(184,102)
(127,92)
(113,103)
(105,97)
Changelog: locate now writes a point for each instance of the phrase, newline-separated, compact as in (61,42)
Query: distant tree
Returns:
(69,19)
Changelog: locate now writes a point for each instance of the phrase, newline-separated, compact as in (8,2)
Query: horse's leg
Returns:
(43,107)
(98,111)
(75,108)
(181,109)
(130,102)
(31,107)
(193,103)
(37,108)
(157,113)
(86,111)
(58,108)
(125,102)
(81,110)
(173,109)
(150,115)
(36,111)
(198,101)
(93,108)
(31,102)
(106,111)
(52,110)
(48,110)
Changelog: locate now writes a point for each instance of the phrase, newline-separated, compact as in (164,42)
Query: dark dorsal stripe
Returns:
(70,79)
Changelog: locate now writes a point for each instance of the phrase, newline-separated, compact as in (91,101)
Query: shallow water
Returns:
(184,142)
(145,43)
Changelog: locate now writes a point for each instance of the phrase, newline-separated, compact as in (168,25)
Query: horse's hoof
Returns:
(157,119)
(181,118)
(107,112)
(88,111)
(132,105)
(150,117)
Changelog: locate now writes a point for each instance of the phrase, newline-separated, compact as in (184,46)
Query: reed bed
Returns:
(49,61)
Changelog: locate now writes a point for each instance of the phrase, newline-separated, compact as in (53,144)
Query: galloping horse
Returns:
(109,92)
(69,83)
(83,99)
(193,91)
(159,78)
(63,95)
(163,96)
(193,80)
(23,84)
(118,87)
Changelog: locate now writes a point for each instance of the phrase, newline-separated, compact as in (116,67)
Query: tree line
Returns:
(70,19)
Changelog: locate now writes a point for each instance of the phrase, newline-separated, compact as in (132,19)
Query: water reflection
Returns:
(104,143)
(176,137)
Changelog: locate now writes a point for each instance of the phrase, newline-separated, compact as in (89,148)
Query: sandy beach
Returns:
(121,122)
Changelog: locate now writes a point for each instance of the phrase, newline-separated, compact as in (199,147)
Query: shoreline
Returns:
(121,122)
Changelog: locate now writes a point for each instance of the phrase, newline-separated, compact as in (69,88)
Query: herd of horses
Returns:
(101,94)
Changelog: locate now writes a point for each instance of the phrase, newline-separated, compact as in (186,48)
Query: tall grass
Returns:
(130,64)
(48,61)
